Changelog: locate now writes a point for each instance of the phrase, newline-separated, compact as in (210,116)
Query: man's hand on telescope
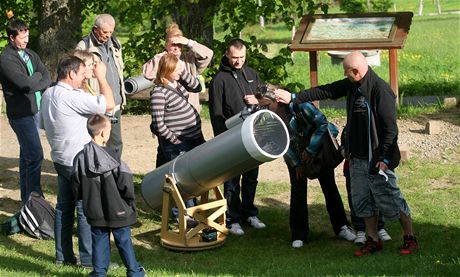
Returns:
(282,96)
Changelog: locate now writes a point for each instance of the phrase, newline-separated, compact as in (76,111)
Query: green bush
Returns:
(360,6)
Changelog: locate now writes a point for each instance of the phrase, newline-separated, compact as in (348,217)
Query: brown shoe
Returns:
(369,247)
(410,245)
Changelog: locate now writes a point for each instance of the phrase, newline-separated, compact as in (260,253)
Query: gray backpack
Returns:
(37,217)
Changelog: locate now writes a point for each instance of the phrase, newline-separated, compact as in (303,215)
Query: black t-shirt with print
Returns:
(359,131)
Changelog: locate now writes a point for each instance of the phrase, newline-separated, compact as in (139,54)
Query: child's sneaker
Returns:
(410,245)
(370,247)
(383,235)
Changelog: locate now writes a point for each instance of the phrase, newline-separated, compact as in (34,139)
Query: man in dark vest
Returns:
(107,48)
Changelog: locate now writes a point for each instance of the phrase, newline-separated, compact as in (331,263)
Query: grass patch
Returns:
(432,189)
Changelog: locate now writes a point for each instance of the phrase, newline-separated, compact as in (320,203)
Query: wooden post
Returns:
(314,72)
(394,73)
(313,68)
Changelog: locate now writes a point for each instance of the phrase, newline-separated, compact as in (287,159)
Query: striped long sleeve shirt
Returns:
(173,117)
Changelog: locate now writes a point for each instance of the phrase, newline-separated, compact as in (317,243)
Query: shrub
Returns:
(360,6)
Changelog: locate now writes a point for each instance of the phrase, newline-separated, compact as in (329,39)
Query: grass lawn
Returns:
(432,189)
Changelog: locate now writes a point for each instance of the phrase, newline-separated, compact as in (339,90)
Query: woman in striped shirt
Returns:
(174,120)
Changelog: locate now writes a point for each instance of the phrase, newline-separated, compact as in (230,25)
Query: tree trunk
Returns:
(197,23)
(59,25)
(438,6)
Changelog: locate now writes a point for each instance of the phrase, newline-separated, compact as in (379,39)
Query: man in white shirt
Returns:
(65,110)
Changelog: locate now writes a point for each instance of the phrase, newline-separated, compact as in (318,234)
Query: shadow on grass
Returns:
(10,175)
(268,252)
(264,252)
(29,259)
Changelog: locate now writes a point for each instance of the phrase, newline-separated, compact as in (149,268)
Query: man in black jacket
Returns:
(23,77)
(228,95)
(371,147)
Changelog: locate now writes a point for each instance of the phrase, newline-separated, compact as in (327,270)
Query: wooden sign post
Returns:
(353,32)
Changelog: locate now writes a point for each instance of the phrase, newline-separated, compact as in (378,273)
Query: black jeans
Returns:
(298,214)
(168,151)
(241,208)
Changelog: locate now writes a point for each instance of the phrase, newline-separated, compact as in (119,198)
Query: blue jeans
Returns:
(65,217)
(30,155)
(101,251)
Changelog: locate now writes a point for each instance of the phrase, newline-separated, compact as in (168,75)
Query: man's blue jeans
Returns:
(30,155)
(65,217)
(101,251)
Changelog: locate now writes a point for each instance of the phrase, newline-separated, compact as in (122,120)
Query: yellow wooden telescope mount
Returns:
(210,215)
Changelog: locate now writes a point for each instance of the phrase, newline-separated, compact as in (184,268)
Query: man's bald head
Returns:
(355,66)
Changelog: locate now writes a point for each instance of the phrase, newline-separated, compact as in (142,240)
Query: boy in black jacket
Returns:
(105,185)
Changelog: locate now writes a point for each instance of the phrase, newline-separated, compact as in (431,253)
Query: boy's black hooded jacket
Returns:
(105,184)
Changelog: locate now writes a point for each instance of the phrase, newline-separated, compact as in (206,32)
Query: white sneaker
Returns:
(297,243)
(255,222)
(383,235)
(235,229)
(360,237)
(347,233)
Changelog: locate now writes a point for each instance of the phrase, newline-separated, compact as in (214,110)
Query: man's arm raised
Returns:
(105,89)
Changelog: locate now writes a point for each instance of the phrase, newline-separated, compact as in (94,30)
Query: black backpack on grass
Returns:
(37,217)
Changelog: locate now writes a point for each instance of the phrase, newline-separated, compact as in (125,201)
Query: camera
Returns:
(113,119)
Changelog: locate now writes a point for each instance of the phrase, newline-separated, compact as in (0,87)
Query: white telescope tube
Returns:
(262,137)
(137,84)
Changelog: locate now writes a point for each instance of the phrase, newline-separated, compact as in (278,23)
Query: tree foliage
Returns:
(360,6)
(143,23)
(21,9)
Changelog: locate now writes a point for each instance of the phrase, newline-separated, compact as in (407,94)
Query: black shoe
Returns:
(73,261)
